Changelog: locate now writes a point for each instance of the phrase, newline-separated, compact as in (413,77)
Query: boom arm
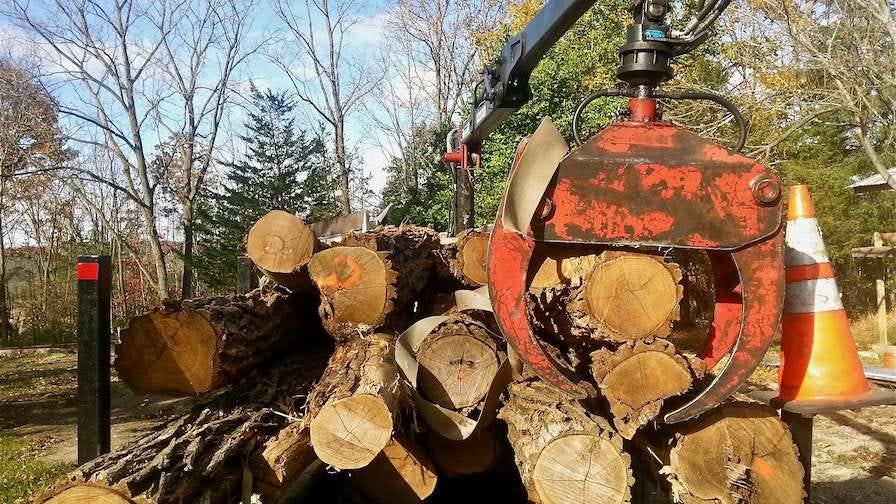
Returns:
(644,59)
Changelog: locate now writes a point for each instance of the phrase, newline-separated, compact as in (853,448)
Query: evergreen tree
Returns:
(283,168)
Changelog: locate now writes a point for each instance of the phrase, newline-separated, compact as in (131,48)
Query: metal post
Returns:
(94,339)
(801,430)
(246,280)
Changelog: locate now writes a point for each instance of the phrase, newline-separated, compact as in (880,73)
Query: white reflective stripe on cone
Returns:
(804,244)
(810,296)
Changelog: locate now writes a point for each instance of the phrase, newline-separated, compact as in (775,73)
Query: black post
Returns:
(94,275)
(246,279)
(801,430)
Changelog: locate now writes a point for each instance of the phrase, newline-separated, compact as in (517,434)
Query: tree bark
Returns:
(194,346)
(464,207)
(564,453)
(186,286)
(281,463)
(199,457)
(740,452)
(352,410)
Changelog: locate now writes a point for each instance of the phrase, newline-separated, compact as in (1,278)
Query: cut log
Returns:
(199,456)
(616,296)
(194,346)
(374,279)
(84,493)
(280,245)
(473,455)
(637,377)
(458,362)
(564,453)
(283,461)
(740,452)
(353,407)
(400,474)
(691,332)
(462,260)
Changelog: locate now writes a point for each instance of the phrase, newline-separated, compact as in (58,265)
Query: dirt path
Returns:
(37,403)
(854,451)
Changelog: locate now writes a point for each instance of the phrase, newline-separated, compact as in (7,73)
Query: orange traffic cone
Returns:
(819,361)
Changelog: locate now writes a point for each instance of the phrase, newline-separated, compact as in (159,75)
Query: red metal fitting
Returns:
(643,109)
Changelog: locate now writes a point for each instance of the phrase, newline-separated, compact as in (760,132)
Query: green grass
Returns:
(21,474)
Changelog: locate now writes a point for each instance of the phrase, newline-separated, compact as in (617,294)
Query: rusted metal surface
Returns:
(652,184)
(656,184)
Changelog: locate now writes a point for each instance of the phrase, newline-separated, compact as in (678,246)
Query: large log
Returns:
(352,409)
(199,456)
(283,462)
(637,377)
(194,346)
(400,474)
(564,453)
(741,452)
(280,245)
(614,296)
(458,362)
(374,279)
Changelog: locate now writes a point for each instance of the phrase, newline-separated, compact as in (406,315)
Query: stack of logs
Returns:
(299,397)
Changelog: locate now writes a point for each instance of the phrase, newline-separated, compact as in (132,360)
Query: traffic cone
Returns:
(819,361)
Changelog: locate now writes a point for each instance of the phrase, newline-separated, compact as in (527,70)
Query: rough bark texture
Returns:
(374,279)
(565,454)
(740,452)
(352,409)
(280,245)
(637,377)
(199,457)
(691,332)
(193,346)
(400,474)
(458,362)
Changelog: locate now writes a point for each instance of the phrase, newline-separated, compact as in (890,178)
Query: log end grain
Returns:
(356,286)
(582,468)
(740,452)
(280,244)
(636,378)
(633,295)
(168,352)
(86,493)
(350,432)
(458,362)
(472,248)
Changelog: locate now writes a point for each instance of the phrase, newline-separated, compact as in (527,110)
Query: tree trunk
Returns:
(740,452)
(373,279)
(344,170)
(352,410)
(280,245)
(5,326)
(564,453)
(199,457)
(637,377)
(194,346)
(158,255)
(400,474)
(458,362)
(464,216)
(186,286)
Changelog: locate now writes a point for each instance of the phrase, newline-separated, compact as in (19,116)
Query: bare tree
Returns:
(138,68)
(844,55)
(325,76)
(198,59)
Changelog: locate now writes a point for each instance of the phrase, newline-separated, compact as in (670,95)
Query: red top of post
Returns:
(88,271)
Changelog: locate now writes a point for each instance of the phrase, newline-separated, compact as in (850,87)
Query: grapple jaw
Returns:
(647,184)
